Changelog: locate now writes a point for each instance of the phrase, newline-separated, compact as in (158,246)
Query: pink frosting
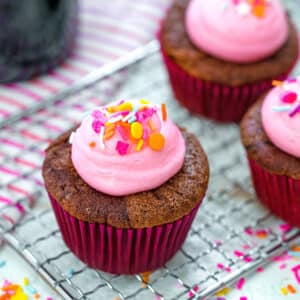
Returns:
(109,172)
(282,129)
(227,31)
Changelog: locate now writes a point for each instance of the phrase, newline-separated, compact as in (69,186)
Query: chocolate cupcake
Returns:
(125,186)
(221,55)
(270,134)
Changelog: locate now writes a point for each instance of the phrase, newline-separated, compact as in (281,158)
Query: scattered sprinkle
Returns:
(284,291)
(122,147)
(296,271)
(243,298)
(260,269)
(223,292)
(291,289)
(2,263)
(92,144)
(240,283)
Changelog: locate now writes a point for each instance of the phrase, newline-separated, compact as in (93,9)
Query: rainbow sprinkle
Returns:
(131,122)
(289,98)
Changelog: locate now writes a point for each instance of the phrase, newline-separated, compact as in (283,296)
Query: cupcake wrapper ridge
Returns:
(280,193)
(118,250)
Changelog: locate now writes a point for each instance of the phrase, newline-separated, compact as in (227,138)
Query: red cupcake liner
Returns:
(213,100)
(280,193)
(118,250)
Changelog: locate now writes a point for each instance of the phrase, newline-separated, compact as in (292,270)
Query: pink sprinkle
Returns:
(235,2)
(238,253)
(157,297)
(122,132)
(284,227)
(220,266)
(49,298)
(122,148)
(6,283)
(282,266)
(248,259)
(289,97)
(249,231)
(260,269)
(240,283)
(97,114)
(96,125)
(145,134)
(243,298)
(283,257)
(228,270)
(296,271)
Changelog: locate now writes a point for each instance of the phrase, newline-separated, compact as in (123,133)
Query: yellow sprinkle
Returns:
(108,124)
(136,130)
(126,106)
(284,291)
(19,295)
(139,145)
(143,101)
(151,125)
(25,281)
(223,292)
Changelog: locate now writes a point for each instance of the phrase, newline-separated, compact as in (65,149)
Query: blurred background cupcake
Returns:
(222,54)
(271,137)
(127,189)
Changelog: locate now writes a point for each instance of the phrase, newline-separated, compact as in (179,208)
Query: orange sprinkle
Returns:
(36,296)
(295,248)
(277,83)
(261,235)
(291,289)
(92,144)
(164,111)
(11,287)
(146,278)
(258,10)
(151,125)
(156,141)
(108,135)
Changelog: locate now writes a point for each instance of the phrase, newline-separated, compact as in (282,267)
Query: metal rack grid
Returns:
(29,226)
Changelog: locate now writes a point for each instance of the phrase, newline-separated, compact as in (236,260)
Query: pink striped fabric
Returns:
(108,29)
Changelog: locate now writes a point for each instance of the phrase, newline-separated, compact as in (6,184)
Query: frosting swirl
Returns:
(241,31)
(127,147)
(281,116)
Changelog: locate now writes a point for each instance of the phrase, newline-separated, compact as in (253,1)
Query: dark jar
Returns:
(35,36)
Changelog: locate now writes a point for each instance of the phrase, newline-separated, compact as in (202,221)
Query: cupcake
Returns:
(221,55)
(270,134)
(125,186)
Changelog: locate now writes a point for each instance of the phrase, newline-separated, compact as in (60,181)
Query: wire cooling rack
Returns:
(231,236)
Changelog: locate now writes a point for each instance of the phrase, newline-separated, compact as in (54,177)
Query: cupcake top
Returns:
(127,147)
(241,31)
(281,116)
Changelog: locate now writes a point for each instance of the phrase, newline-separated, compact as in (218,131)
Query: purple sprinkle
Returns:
(97,124)
(295,111)
(290,80)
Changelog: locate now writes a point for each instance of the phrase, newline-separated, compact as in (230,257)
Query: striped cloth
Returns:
(108,29)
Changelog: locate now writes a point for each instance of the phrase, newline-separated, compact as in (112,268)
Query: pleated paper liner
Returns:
(213,100)
(280,193)
(122,251)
